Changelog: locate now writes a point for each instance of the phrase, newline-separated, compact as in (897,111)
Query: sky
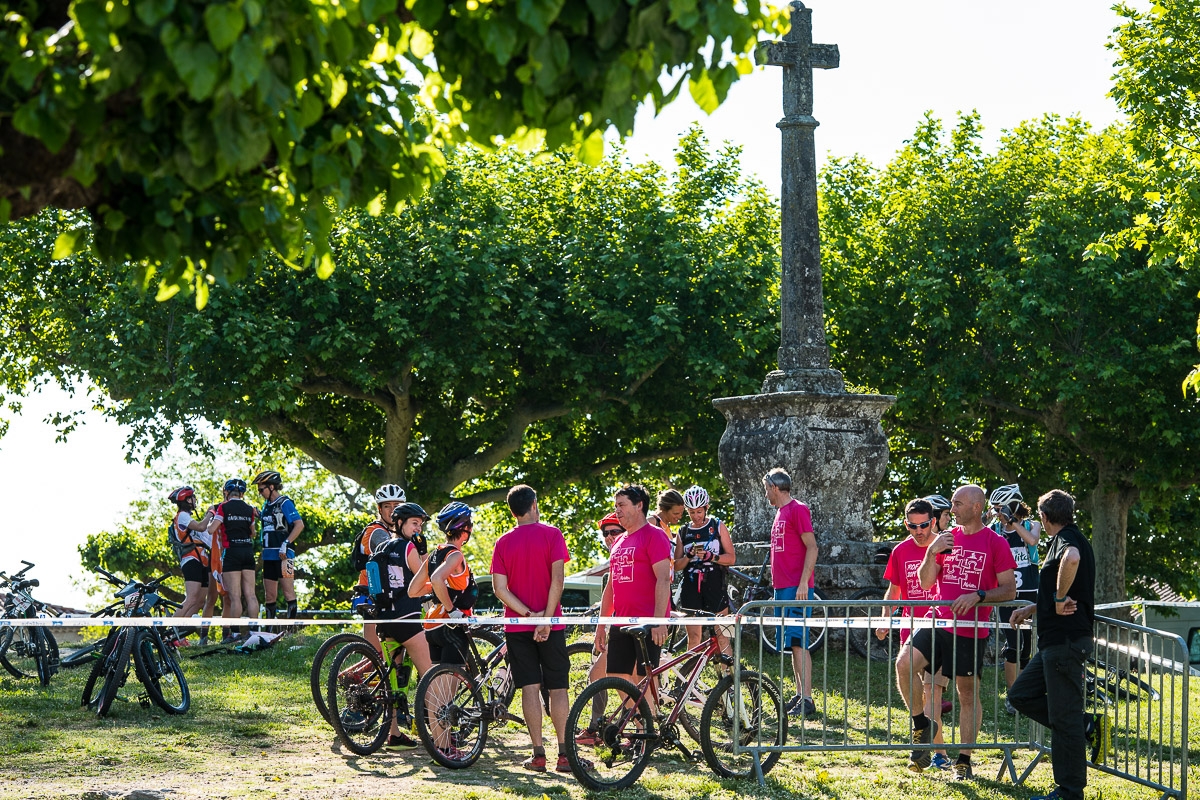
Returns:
(1011,61)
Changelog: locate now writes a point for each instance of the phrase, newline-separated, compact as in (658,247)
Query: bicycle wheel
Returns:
(94,676)
(157,665)
(19,650)
(863,640)
(691,714)
(580,654)
(359,698)
(614,752)
(1113,684)
(46,655)
(761,721)
(317,677)
(755,632)
(84,656)
(116,669)
(452,719)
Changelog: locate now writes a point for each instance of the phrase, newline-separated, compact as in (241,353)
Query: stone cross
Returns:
(803,353)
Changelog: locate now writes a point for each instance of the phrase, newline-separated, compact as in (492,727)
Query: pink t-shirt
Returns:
(787,548)
(631,570)
(902,570)
(973,564)
(524,556)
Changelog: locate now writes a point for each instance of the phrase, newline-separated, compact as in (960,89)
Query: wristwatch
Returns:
(982,594)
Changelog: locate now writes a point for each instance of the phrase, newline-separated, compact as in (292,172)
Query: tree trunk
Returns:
(1109,506)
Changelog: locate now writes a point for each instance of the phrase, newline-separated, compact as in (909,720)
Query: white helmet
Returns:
(388,493)
(1007,496)
(695,497)
(938,502)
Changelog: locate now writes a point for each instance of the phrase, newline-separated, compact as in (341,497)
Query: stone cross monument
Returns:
(831,442)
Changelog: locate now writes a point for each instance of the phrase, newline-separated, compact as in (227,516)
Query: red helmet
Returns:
(611,519)
(183,496)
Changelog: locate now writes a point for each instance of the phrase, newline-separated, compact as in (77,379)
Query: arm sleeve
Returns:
(890,571)
(497,567)
(803,519)
(289,511)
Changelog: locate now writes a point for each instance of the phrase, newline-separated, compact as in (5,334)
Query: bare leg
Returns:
(970,713)
(193,598)
(559,708)
(802,670)
(909,666)
(249,594)
(531,707)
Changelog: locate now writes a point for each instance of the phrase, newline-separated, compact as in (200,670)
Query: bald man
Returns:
(969,565)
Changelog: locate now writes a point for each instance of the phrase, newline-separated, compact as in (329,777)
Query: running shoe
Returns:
(401,741)
(589,738)
(941,761)
(962,772)
(1098,732)
(565,766)
(919,760)
(1055,795)
(535,764)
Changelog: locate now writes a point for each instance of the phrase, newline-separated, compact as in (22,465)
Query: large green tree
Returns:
(530,318)
(963,283)
(195,133)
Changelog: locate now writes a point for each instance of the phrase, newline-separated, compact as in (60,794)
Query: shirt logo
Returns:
(964,567)
(622,563)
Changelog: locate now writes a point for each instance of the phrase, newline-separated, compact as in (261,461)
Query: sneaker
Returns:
(401,741)
(962,772)
(535,764)
(941,761)
(809,708)
(1055,795)
(589,738)
(919,760)
(1098,732)
(793,704)
(1009,709)
(947,706)
(565,766)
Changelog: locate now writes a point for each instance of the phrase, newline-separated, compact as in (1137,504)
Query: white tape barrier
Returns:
(870,623)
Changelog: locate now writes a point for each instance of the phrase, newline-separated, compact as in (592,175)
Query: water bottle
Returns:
(374,585)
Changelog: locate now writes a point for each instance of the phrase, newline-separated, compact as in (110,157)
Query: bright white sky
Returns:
(1012,61)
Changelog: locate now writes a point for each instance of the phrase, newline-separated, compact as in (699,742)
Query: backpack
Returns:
(182,550)
(465,599)
(389,561)
(359,559)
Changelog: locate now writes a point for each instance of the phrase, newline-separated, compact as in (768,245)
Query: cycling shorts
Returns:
(623,653)
(195,572)
(399,632)
(237,559)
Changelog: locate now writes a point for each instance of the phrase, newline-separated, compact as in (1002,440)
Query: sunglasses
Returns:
(611,532)
(918,526)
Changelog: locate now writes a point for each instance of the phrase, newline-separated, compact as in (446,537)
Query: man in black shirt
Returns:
(1050,689)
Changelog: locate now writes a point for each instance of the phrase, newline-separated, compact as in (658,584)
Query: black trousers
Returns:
(1050,691)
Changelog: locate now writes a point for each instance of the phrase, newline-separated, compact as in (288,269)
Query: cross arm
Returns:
(787,54)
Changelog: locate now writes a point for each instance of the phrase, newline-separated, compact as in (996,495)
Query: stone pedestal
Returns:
(833,446)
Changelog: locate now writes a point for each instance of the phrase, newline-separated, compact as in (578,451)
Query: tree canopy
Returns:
(964,283)
(529,318)
(197,133)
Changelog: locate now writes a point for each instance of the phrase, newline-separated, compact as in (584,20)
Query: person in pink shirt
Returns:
(528,568)
(904,583)
(970,565)
(793,575)
(639,584)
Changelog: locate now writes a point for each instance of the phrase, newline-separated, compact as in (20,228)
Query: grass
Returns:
(253,732)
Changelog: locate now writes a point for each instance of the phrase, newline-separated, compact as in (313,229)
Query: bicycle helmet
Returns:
(389,493)
(938,502)
(695,497)
(454,516)
(611,521)
(269,477)
(184,497)
(235,486)
(1007,497)
(406,511)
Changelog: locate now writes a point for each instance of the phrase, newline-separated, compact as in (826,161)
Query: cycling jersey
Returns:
(394,556)
(237,518)
(193,545)
(374,536)
(702,587)
(279,518)
(457,583)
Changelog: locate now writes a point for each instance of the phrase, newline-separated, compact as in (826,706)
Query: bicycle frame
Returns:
(704,652)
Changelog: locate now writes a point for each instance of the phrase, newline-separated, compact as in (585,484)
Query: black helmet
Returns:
(406,511)
(269,477)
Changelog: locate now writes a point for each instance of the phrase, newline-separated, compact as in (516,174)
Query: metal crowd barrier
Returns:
(1139,679)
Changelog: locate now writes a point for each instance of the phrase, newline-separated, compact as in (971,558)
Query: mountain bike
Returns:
(152,650)
(1109,684)
(26,652)
(614,750)
(750,584)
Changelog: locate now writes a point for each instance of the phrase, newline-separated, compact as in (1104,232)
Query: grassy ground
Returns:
(253,731)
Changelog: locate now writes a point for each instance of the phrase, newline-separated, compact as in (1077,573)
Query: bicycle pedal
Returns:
(143,701)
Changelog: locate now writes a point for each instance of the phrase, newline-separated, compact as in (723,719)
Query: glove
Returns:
(706,555)
(283,550)
(422,544)
(456,614)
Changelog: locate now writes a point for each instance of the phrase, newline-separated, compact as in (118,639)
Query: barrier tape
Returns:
(870,623)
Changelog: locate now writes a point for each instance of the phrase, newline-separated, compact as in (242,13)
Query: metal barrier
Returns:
(1139,679)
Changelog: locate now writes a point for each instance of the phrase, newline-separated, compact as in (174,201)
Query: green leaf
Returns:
(325,265)
(539,14)
(225,23)
(337,90)
(499,40)
(64,245)
(198,66)
(152,12)
(248,61)
(591,152)
(704,93)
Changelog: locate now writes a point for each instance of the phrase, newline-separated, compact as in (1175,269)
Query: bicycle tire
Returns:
(592,764)
(17,652)
(318,679)
(83,656)
(449,694)
(45,655)
(360,705)
(863,640)
(116,670)
(765,712)
(1118,684)
(89,686)
(157,665)
(579,653)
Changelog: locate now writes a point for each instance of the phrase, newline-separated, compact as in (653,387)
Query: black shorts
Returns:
(399,632)
(447,644)
(623,653)
(703,591)
(238,559)
(272,570)
(195,572)
(533,662)
(1018,644)
(938,647)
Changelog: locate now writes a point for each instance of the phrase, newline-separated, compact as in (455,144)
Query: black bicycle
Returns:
(26,652)
(153,652)
(753,584)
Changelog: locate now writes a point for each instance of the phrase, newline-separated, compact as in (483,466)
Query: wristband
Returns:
(1061,599)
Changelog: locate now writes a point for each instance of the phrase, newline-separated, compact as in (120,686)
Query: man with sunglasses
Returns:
(904,583)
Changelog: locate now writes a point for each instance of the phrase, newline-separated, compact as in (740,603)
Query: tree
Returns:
(1157,85)
(195,133)
(530,318)
(964,284)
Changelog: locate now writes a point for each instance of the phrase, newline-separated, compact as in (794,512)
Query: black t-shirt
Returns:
(1052,628)
(239,518)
